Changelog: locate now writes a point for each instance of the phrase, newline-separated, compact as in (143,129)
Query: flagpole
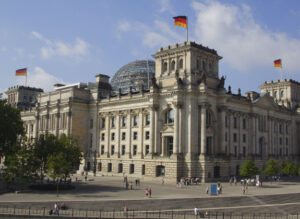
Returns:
(187,29)
(281,73)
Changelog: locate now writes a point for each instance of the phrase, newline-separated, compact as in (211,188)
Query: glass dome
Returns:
(134,74)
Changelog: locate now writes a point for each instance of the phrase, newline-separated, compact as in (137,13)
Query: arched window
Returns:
(173,65)
(203,66)
(169,116)
(282,94)
(181,64)
(165,66)
(275,94)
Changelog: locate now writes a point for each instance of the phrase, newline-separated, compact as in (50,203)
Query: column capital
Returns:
(154,107)
(204,104)
(178,104)
(222,108)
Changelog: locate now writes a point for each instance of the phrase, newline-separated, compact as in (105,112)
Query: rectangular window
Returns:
(131,168)
(147,149)
(91,140)
(123,149)
(244,138)
(280,128)
(244,151)
(113,136)
(280,141)
(244,124)
(123,121)
(147,119)
(226,122)
(147,135)
(234,122)
(134,149)
(102,149)
(135,120)
(286,141)
(112,150)
(91,123)
(143,169)
(102,137)
(280,151)
(102,123)
(235,151)
(100,166)
(109,167)
(287,151)
(112,122)
(287,129)
(234,137)
(225,136)
(134,135)
(123,135)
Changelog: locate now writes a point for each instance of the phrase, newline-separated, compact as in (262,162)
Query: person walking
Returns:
(150,193)
(196,212)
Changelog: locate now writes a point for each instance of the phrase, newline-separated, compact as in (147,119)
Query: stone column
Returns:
(180,149)
(118,137)
(176,128)
(152,131)
(69,124)
(157,148)
(128,137)
(140,146)
(203,129)
(107,135)
(229,137)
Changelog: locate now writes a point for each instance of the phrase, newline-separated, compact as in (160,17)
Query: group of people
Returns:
(187,181)
(57,207)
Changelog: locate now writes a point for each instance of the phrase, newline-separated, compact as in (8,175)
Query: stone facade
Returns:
(186,125)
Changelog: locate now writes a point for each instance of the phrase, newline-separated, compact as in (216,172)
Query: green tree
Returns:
(21,167)
(11,126)
(289,168)
(273,167)
(72,153)
(248,168)
(45,146)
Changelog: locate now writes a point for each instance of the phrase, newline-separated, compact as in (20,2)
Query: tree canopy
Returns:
(289,168)
(248,168)
(57,157)
(11,126)
(273,167)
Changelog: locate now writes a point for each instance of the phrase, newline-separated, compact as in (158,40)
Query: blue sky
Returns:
(70,41)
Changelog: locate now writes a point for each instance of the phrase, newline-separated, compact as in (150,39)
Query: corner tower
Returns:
(188,61)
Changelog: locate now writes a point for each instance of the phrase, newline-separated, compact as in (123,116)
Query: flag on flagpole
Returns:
(180,21)
(277,63)
(21,72)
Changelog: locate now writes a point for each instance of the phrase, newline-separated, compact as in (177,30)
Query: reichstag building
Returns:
(170,118)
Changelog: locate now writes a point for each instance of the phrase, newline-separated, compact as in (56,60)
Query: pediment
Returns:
(266,101)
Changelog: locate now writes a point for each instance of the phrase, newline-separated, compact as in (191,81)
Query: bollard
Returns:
(72,212)
(29,211)
(223,216)
(113,213)
(159,213)
(172,213)
(147,214)
(217,215)
(14,210)
(184,215)
(86,213)
(44,212)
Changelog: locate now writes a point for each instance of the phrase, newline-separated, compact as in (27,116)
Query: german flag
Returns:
(21,72)
(180,21)
(277,63)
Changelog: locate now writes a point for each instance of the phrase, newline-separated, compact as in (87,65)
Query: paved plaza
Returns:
(109,193)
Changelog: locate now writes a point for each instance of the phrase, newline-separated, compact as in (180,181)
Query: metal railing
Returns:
(160,214)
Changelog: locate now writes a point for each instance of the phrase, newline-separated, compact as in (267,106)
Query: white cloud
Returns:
(157,35)
(166,6)
(52,48)
(39,78)
(244,43)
